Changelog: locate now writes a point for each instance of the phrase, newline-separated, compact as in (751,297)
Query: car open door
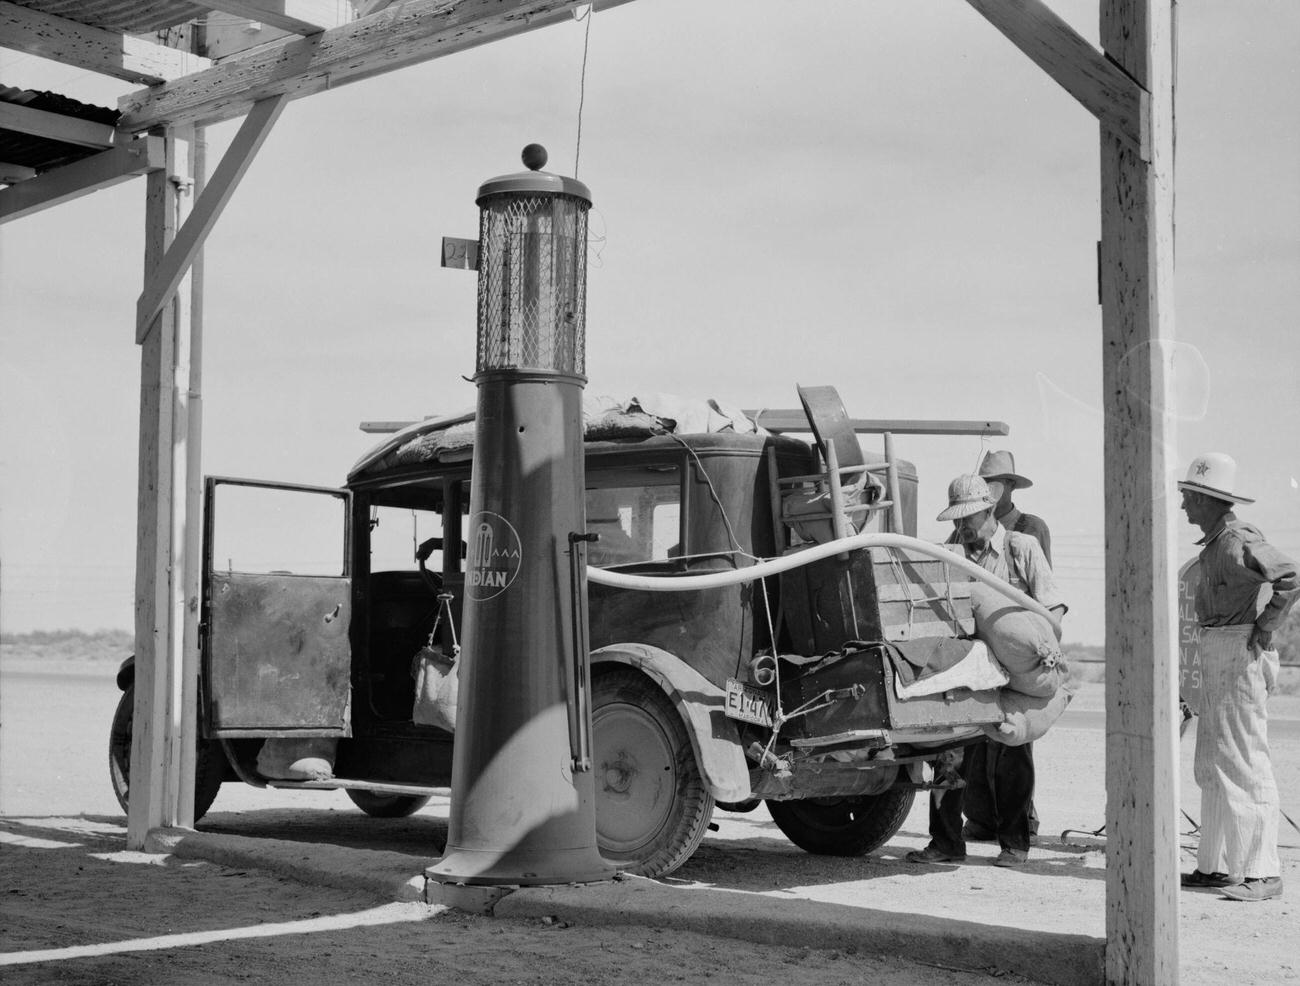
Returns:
(277,602)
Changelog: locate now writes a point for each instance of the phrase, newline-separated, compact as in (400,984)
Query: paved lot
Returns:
(746,884)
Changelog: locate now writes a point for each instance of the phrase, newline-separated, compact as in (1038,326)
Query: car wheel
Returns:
(843,826)
(387,805)
(209,761)
(652,807)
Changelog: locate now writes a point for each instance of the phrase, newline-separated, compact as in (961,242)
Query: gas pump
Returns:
(523,798)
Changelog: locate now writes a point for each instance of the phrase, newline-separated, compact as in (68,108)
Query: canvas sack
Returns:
(1024,642)
(1027,718)
(436,688)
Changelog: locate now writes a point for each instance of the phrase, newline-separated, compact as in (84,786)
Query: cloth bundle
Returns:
(973,667)
(297,758)
(1025,643)
(437,686)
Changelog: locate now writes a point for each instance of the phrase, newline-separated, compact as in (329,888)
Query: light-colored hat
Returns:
(967,495)
(1002,465)
(1214,474)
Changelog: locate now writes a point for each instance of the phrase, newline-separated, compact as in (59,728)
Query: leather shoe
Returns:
(1255,888)
(1198,879)
(1011,857)
(932,855)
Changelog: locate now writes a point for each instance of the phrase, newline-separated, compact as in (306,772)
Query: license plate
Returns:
(748,704)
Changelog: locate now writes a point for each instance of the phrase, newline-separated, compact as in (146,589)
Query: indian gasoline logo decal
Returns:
(495,557)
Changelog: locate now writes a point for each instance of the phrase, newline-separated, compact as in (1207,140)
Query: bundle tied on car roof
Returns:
(604,419)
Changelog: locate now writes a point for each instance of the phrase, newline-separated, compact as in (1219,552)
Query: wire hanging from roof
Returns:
(582,80)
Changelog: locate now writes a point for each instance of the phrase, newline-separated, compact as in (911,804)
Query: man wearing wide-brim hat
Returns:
(998,470)
(1239,799)
(1018,560)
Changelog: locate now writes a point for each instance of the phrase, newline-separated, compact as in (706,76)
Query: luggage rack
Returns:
(840,493)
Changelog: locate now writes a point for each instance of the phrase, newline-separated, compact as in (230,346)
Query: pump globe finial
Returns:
(534,157)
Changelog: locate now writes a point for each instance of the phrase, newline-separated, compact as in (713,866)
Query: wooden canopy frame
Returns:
(1127,85)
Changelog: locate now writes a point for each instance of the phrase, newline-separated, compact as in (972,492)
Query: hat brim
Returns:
(959,510)
(1211,491)
(1021,482)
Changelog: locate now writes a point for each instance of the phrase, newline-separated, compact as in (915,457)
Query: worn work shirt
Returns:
(1235,562)
(1017,522)
(1019,560)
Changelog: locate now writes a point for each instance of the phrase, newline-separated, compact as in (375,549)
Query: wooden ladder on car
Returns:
(845,476)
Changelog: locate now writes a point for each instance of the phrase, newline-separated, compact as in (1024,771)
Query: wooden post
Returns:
(891,478)
(187,527)
(1141,642)
(158,679)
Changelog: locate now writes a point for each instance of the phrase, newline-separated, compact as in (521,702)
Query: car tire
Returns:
(843,826)
(209,761)
(387,805)
(652,806)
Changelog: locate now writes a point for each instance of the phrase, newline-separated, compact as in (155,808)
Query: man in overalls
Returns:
(1239,800)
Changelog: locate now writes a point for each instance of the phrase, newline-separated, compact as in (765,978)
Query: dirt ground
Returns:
(78,908)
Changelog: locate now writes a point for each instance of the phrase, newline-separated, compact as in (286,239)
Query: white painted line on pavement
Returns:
(31,842)
(398,913)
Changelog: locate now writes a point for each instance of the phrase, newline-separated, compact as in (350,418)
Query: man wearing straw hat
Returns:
(1239,799)
(998,470)
(1018,560)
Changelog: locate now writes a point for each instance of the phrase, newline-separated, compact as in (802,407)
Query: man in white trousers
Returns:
(1239,800)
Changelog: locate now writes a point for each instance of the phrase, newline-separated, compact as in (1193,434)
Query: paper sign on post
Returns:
(459,253)
(1189,634)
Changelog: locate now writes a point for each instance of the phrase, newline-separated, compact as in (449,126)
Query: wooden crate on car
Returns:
(920,596)
(876,594)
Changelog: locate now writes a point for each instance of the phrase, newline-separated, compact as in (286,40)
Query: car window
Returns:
(396,533)
(637,514)
(261,528)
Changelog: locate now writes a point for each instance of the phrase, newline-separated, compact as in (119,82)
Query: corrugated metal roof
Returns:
(41,153)
(132,16)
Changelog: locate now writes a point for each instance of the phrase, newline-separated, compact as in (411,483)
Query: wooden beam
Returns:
(405,34)
(1105,90)
(207,210)
(111,167)
(121,56)
(1137,226)
(56,126)
(795,420)
(296,16)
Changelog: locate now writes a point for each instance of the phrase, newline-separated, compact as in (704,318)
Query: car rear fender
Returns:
(700,703)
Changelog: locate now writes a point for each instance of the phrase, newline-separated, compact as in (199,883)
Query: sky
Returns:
(887,198)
